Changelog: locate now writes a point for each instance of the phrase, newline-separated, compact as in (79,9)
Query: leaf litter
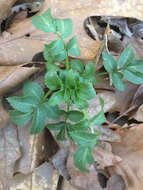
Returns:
(14,51)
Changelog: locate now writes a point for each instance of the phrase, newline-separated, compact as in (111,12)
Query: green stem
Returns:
(103,73)
(67,61)
(88,119)
(67,58)
(47,94)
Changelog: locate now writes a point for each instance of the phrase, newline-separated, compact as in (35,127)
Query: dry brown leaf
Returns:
(9,153)
(4,117)
(82,180)
(117,100)
(5,6)
(78,11)
(45,177)
(11,76)
(130,149)
(59,162)
(139,114)
(136,102)
(103,157)
(35,149)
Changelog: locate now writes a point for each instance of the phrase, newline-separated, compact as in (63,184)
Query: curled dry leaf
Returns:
(9,154)
(139,114)
(116,100)
(78,11)
(136,102)
(104,157)
(13,75)
(130,149)
(5,6)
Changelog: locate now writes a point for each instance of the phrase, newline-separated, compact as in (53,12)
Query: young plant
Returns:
(73,85)
(125,67)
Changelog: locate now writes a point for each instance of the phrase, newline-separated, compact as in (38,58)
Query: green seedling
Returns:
(73,85)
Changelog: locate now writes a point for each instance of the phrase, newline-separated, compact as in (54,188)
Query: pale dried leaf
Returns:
(11,76)
(5,6)
(59,161)
(139,114)
(34,150)
(44,178)
(104,157)
(82,180)
(130,151)
(4,117)
(9,154)
(78,11)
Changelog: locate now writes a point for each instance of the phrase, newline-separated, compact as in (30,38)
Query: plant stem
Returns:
(100,74)
(67,58)
(88,119)
(67,61)
(47,94)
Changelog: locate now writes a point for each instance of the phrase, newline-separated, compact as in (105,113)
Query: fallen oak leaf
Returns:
(5,6)
(136,102)
(130,151)
(9,154)
(11,76)
(78,12)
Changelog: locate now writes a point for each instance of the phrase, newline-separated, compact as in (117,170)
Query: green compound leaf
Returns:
(77,65)
(61,56)
(67,96)
(20,118)
(70,79)
(99,118)
(45,22)
(56,46)
(117,79)
(89,73)
(38,120)
(82,157)
(72,47)
(51,67)
(136,66)
(52,81)
(61,136)
(75,116)
(55,51)
(53,112)
(80,126)
(86,91)
(109,62)
(56,98)
(126,57)
(133,76)
(56,126)
(48,55)
(33,89)
(23,104)
(64,27)
(84,139)
(79,102)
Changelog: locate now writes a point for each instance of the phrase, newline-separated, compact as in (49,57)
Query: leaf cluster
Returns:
(32,106)
(125,67)
(73,85)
